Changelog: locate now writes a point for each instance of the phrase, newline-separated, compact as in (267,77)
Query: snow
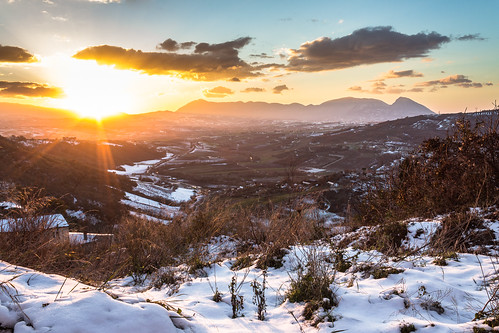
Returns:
(111,144)
(150,218)
(136,168)
(9,205)
(38,303)
(149,205)
(181,194)
(314,170)
(366,303)
(48,221)
(79,237)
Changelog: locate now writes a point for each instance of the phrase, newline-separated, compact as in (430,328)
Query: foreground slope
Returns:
(376,294)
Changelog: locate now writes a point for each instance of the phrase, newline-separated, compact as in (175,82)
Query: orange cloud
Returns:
(408,73)
(253,89)
(29,89)
(15,54)
(208,62)
(217,92)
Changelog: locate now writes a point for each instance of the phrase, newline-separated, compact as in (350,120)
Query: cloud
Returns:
(470,37)
(489,84)
(172,45)
(380,87)
(29,89)
(453,80)
(364,46)
(262,55)
(15,54)
(279,89)
(408,73)
(253,89)
(217,92)
(227,48)
(105,1)
(357,89)
(208,62)
(234,79)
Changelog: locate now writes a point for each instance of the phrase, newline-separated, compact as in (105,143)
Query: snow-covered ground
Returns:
(148,205)
(417,291)
(35,302)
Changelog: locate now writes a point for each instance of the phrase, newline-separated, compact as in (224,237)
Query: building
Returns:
(56,224)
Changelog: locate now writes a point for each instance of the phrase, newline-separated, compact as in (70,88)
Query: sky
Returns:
(99,57)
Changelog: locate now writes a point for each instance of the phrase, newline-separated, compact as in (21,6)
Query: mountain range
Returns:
(19,119)
(348,110)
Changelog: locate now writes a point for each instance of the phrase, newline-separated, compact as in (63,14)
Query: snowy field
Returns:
(415,291)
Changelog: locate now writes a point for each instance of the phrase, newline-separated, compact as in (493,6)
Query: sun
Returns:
(94,91)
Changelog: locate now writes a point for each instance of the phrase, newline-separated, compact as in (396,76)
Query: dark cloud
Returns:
(262,55)
(407,73)
(489,84)
(29,89)
(253,89)
(470,37)
(208,62)
(279,89)
(15,54)
(453,80)
(364,46)
(457,79)
(234,79)
(171,45)
(187,45)
(217,92)
(227,48)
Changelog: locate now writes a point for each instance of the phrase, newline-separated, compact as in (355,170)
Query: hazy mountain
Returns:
(347,109)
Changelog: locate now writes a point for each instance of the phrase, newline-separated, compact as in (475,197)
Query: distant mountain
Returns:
(348,109)
(16,112)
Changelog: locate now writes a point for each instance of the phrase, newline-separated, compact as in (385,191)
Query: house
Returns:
(56,224)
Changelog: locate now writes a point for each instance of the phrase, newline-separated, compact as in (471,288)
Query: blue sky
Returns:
(459,71)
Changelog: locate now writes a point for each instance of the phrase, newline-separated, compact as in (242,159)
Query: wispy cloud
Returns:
(453,80)
(470,37)
(253,89)
(407,73)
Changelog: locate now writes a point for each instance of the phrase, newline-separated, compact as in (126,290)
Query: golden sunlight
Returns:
(95,91)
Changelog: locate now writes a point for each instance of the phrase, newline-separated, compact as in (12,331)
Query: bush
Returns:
(388,238)
(312,284)
(443,175)
(459,232)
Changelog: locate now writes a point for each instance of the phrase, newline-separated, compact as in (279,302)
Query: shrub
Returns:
(388,238)
(443,175)
(459,232)
(312,284)
(407,328)
(259,296)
